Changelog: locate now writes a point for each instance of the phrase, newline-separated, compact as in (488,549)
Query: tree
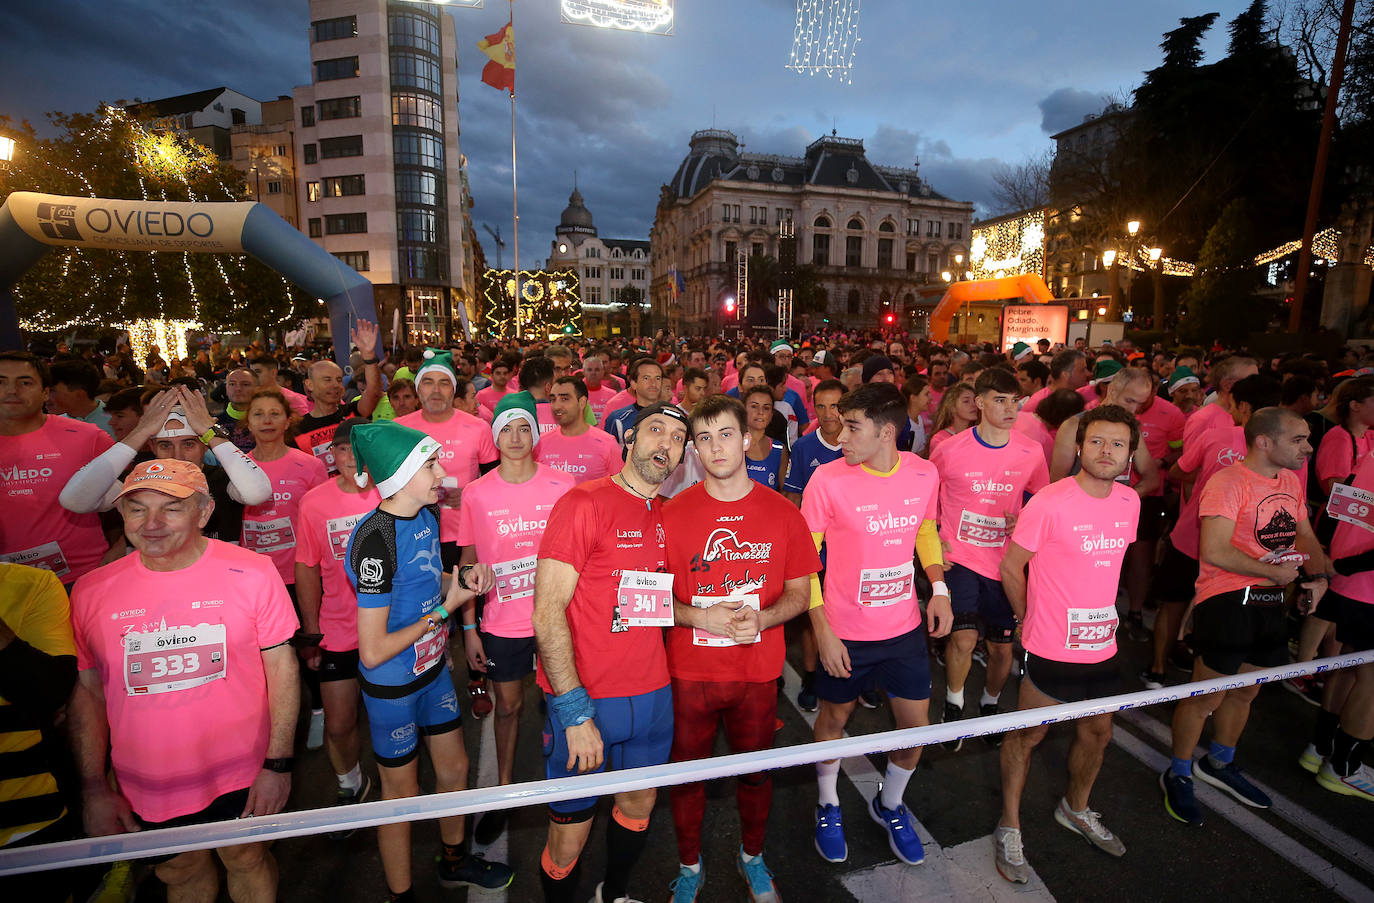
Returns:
(1220,303)
(107,154)
(1025,186)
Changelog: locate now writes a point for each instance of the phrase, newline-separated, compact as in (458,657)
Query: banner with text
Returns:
(1030,323)
(123,225)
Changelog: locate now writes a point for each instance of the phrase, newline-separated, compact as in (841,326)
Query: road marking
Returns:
(1312,825)
(487,775)
(963,872)
(1288,849)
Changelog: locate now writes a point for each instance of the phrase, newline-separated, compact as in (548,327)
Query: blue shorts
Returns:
(508,658)
(980,603)
(900,664)
(635,731)
(396,724)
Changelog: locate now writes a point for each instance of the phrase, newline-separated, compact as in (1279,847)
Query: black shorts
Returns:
(1354,619)
(1154,515)
(338,665)
(1229,632)
(980,604)
(227,807)
(508,658)
(1073,681)
(901,664)
(1175,579)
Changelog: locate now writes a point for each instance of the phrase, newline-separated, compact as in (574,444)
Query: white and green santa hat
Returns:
(440,362)
(514,406)
(392,453)
(1183,376)
(1020,350)
(780,345)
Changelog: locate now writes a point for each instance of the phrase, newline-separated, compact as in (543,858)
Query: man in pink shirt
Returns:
(576,448)
(1073,535)
(186,683)
(598,392)
(39,453)
(501,371)
(1068,370)
(1223,375)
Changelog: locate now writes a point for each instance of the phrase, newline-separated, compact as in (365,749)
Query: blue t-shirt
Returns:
(808,453)
(395,561)
(766,472)
(620,420)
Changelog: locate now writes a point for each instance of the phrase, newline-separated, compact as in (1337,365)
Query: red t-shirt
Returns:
(746,548)
(602,529)
(1266,512)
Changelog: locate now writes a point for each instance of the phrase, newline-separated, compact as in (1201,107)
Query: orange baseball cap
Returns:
(180,479)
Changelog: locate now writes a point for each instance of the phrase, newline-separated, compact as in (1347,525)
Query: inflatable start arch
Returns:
(31,223)
(1029,288)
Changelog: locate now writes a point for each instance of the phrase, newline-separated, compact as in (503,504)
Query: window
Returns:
(347,146)
(412,29)
(413,70)
(784,215)
(593,251)
(853,250)
(310,153)
(430,264)
(334,29)
(418,187)
(312,191)
(343,67)
(637,275)
(956,230)
(884,253)
(591,294)
(913,227)
(730,253)
(345,223)
(314,225)
(933,229)
(307,116)
(418,148)
(753,215)
(593,272)
(279,150)
(853,301)
(340,108)
(343,186)
(886,226)
(932,263)
(418,225)
(615,252)
(855,225)
(822,222)
(356,259)
(820,249)
(237,116)
(274,187)
(617,274)
(756,249)
(418,110)
(911,261)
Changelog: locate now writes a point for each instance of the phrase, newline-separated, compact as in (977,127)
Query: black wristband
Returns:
(462,577)
(369,363)
(283,765)
(302,640)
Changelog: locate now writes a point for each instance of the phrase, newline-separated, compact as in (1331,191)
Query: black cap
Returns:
(875,365)
(344,431)
(667,410)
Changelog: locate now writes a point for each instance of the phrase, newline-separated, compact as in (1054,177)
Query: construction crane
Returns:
(500,245)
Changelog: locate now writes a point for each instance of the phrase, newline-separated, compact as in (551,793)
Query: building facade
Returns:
(265,152)
(873,234)
(207,117)
(379,169)
(613,273)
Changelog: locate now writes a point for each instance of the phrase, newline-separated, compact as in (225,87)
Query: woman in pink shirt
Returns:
(957,412)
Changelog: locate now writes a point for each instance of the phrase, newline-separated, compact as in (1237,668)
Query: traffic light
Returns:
(567,330)
(730,306)
(889,318)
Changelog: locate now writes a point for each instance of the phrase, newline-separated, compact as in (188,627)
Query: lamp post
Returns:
(1128,256)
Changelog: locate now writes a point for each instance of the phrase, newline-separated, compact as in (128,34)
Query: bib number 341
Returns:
(646,599)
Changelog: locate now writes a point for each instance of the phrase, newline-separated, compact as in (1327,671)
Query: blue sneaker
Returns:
(757,878)
(686,885)
(1228,778)
(901,833)
(1179,800)
(830,834)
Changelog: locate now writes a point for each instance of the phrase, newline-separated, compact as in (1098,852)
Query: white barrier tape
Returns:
(169,841)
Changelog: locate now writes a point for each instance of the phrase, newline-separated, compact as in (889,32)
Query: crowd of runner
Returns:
(190,552)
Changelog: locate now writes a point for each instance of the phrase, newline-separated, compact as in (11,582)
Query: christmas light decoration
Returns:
(168,335)
(825,37)
(549,303)
(648,16)
(1013,246)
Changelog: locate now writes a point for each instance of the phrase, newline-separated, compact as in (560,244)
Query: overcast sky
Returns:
(961,86)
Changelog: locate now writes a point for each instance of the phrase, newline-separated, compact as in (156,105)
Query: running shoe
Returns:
(1179,799)
(980,652)
(489,827)
(481,701)
(348,798)
(117,886)
(871,698)
(1181,657)
(952,714)
(806,699)
(901,831)
(1307,687)
(993,740)
(476,872)
(314,738)
(1359,783)
(1136,631)
(1088,824)
(597,898)
(757,878)
(1311,760)
(830,834)
(685,886)
(1009,856)
(1230,779)
(1153,680)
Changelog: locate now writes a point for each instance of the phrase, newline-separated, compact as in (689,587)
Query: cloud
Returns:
(1066,107)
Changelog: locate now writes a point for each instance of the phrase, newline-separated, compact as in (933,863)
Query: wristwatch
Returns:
(213,433)
(280,766)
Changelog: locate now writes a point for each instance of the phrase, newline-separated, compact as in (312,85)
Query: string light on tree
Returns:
(825,38)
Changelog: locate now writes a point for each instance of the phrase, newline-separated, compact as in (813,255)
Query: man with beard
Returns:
(575,447)
(601,595)
(1073,534)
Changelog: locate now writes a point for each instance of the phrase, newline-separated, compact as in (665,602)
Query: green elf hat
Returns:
(1183,376)
(1105,369)
(513,406)
(1020,350)
(780,345)
(437,361)
(391,453)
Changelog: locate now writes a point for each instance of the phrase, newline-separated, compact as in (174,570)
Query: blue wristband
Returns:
(573,707)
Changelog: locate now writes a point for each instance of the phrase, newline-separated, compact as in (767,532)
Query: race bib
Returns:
(645,599)
(879,587)
(429,649)
(320,444)
(515,579)
(270,535)
(338,529)
(982,530)
(705,637)
(1354,506)
(165,661)
(48,556)
(1091,628)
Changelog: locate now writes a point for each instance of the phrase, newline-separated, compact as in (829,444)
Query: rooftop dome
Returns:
(576,217)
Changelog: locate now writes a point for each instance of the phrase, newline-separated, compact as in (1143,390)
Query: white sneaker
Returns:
(597,898)
(1088,825)
(1009,856)
(314,739)
(1359,783)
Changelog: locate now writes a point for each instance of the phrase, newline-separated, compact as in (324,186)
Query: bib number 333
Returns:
(165,661)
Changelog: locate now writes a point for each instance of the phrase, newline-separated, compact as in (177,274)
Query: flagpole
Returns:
(514,190)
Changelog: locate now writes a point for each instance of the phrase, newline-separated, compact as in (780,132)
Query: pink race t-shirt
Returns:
(34,467)
(1205,418)
(326,519)
(1339,451)
(1266,514)
(981,486)
(490,396)
(271,528)
(1078,543)
(598,397)
(939,439)
(1206,454)
(1353,540)
(505,522)
(622,399)
(870,522)
(1030,425)
(300,405)
(467,444)
(1035,398)
(1161,429)
(590,456)
(179,654)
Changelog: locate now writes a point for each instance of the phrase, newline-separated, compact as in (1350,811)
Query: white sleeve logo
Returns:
(370,571)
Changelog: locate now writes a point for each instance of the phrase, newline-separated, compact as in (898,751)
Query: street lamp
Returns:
(1133,227)
(7,146)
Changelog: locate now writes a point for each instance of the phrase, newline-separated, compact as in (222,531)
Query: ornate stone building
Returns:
(612,273)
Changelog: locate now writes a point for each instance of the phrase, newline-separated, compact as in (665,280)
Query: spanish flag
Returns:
(500,72)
